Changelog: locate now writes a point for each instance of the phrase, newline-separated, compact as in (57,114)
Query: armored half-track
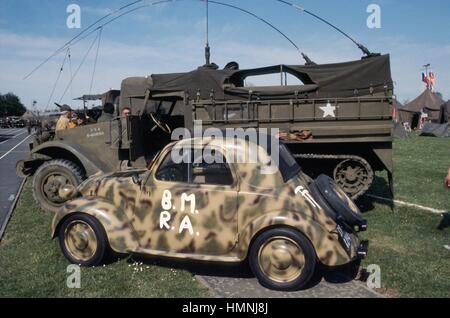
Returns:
(336,120)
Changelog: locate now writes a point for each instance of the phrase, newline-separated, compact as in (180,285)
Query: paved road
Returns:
(14,146)
(238,282)
(229,287)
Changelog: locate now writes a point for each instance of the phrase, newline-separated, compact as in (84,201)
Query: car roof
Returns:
(241,150)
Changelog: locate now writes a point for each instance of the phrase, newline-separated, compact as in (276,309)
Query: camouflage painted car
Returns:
(228,210)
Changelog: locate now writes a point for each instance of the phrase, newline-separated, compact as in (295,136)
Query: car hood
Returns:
(91,186)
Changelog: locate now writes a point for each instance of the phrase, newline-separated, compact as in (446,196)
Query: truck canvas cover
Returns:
(349,79)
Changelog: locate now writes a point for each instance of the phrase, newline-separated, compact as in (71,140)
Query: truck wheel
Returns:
(49,178)
(354,176)
(282,259)
(83,240)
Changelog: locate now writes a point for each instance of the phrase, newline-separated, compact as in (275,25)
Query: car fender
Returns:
(119,229)
(326,243)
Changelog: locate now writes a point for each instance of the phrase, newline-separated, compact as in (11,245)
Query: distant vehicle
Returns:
(4,123)
(15,122)
(285,223)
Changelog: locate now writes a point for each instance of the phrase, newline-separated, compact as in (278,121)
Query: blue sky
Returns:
(170,38)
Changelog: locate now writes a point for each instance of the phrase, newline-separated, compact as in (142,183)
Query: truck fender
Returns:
(326,244)
(119,229)
(59,150)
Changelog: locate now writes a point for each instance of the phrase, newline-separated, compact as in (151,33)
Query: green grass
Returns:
(410,251)
(405,241)
(421,164)
(32,265)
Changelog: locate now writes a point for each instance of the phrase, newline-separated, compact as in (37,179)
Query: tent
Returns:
(444,114)
(427,99)
(397,114)
(410,117)
(399,131)
(28,115)
(428,102)
(436,130)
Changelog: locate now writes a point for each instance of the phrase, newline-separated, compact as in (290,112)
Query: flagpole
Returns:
(427,66)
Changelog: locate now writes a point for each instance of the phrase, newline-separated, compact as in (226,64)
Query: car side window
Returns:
(170,171)
(208,171)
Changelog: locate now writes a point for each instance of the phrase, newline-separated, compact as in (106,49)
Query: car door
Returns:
(193,206)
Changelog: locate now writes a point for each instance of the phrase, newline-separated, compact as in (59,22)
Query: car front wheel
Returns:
(83,240)
(282,259)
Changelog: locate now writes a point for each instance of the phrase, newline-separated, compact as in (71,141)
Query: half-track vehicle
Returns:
(336,120)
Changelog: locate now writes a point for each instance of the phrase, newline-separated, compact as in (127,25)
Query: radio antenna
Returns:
(132,7)
(207,48)
(359,45)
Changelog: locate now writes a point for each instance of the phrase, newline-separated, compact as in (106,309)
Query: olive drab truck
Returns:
(335,118)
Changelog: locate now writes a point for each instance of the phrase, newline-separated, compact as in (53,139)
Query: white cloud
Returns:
(19,54)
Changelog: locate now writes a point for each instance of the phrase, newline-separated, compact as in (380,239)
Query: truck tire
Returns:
(49,177)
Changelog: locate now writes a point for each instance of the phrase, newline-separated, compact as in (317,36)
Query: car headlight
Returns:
(67,192)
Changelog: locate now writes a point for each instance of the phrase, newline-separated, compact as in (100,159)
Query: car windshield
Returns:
(288,166)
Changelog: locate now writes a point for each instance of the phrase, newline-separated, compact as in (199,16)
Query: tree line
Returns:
(10,105)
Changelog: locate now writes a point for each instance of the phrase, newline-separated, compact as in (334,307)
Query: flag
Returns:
(432,79)
(426,79)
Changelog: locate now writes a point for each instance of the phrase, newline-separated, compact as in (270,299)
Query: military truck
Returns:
(336,120)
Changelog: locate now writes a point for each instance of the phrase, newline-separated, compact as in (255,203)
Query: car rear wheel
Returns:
(282,259)
(83,240)
(51,176)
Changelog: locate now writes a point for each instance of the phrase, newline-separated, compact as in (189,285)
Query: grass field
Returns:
(403,241)
(32,265)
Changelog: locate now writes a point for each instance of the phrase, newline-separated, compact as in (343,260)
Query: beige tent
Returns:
(28,115)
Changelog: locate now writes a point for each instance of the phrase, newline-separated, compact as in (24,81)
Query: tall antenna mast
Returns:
(207,48)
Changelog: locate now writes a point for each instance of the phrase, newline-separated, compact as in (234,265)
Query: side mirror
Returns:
(136,179)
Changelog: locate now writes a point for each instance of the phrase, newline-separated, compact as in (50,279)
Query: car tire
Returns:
(338,200)
(45,189)
(83,240)
(282,259)
(322,202)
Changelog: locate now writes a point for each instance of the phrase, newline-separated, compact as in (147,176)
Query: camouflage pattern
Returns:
(225,219)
